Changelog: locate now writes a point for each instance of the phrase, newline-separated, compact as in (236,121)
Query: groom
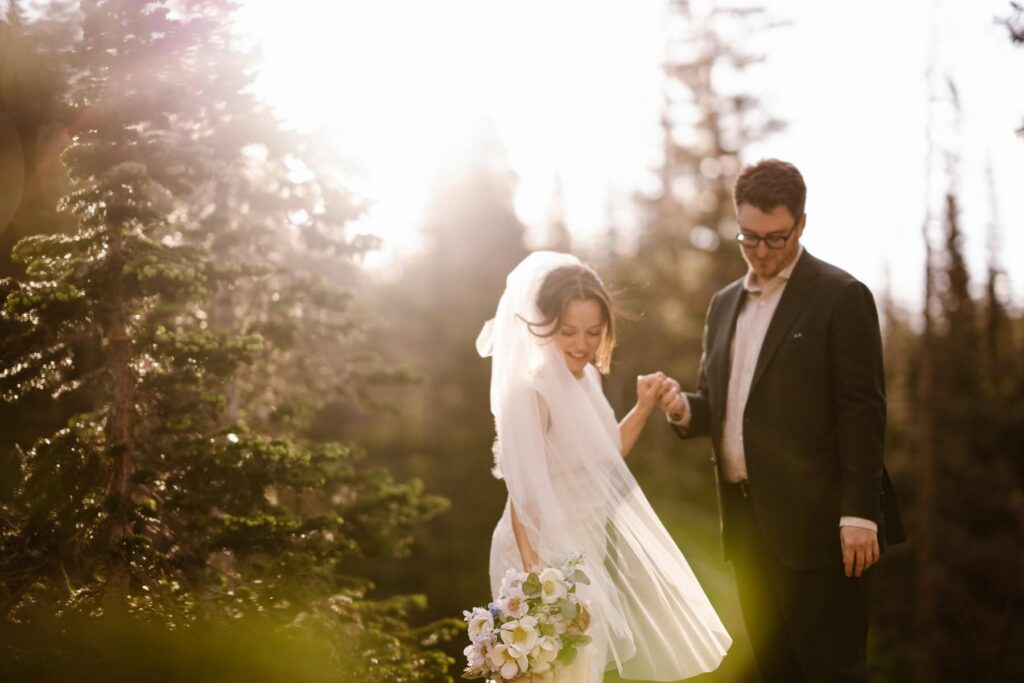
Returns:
(791,391)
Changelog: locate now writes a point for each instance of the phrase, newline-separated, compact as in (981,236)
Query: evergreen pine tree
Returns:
(149,502)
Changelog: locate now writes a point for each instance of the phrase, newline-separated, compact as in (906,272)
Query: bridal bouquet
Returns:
(533,628)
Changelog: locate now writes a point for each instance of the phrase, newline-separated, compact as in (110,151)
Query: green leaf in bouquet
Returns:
(567,655)
(580,577)
(568,609)
(575,639)
(532,587)
(546,629)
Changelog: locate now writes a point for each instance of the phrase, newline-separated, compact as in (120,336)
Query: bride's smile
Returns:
(583,324)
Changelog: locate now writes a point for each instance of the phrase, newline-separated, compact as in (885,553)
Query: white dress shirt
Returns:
(752,321)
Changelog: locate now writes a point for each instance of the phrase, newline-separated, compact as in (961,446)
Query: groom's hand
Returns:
(672,401)
(860,549)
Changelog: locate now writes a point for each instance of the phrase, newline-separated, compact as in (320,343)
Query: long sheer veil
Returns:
(558,450)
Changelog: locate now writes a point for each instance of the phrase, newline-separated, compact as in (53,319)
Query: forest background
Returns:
(230,444)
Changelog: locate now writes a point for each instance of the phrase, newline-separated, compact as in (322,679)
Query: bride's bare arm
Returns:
(527,552)
(648,392)
(531,560)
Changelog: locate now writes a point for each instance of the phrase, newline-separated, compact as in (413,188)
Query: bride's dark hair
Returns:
(575,283)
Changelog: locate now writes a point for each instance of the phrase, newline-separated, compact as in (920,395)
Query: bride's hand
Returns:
(649,389)
(648,392)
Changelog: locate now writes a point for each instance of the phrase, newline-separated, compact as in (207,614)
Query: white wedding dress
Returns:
(558,449)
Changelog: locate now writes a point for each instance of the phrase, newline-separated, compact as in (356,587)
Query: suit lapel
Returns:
(722,349)
(791,305)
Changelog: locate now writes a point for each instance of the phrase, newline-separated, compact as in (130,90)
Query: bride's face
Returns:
(580,334)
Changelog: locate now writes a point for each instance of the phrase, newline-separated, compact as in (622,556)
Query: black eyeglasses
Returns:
(750,241)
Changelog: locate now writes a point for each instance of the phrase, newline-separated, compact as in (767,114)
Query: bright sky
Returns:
(573,88)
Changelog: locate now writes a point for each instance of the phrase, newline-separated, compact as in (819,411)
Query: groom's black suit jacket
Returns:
(814,423)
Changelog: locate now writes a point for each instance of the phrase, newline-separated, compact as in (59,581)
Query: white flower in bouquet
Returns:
(520,633)
(480,623)
(514,606)
(552,585)
(512,583)
(509,661)
(476,655)
(543,655)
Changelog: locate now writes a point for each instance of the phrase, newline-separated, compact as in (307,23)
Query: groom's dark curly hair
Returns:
(771,183)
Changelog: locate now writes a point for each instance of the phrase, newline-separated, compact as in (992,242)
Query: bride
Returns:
(560,452)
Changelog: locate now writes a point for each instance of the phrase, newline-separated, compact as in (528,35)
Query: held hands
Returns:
(663,391)
(649,390)
(860,549)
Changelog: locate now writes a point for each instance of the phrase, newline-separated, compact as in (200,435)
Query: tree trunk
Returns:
(925,606)
(121,424)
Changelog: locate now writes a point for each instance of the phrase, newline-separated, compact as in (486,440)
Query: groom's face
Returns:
(764,261)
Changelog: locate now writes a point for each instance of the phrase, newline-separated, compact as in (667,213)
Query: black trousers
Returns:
(804,625)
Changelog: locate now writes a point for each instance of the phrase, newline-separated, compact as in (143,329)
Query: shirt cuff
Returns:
(858,522)
(684,419)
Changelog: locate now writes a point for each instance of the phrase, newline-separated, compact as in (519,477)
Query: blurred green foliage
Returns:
(173,502)
(252,650)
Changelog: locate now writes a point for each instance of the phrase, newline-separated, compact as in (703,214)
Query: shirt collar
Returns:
(750,283)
